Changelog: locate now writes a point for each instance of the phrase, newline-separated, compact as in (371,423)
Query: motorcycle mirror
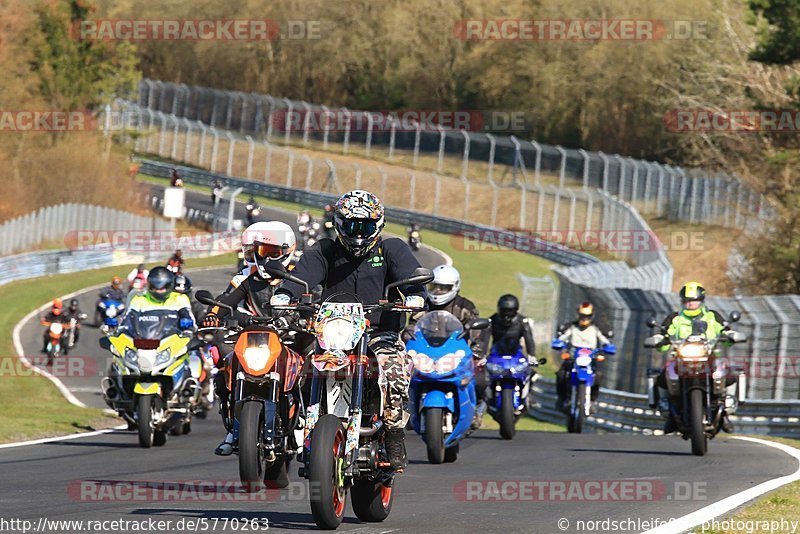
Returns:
(206,298)
(735,316)
(418,276)
(652,342)
(104,343)
(479,324)
(610,334)
(278,271)
(737,337)
(541,361)
(651,322)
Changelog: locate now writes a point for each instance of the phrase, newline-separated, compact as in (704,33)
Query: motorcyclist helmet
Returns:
(160,283)
(445,285)
(116,282)
(358,220)
(585,314)
(57,306)
(271,241)
(73,305)
(692,296)
(507,308)
(183,284)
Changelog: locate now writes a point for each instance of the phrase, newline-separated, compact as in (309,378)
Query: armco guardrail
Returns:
(662,190)
(621,411)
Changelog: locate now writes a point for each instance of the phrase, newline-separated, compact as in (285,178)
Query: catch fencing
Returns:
(626,293)
(52,225)
(653,188)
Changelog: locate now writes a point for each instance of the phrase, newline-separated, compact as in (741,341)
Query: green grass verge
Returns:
(783,503)
(32,406)
(525,424)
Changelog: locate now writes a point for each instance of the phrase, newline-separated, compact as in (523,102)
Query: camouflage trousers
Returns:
(397,366)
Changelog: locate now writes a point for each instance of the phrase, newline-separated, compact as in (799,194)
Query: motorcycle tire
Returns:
(434,435)
(159,438)
(577,417)
(186,428)
(699,439)
(251,461)
(176,429)
(99,317)
(144,405)
(372,500)
(326,455)
(508,422)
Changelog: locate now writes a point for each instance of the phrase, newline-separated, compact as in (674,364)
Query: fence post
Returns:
(187,147)
(634,179)
(326,121)
(604,158)
(346,141)
(287,121)
(310,170)
(163,135)
(268,162)
(621,183)
(174,150)
(357,175)
(290,168)
(232,97)
(268,134)
(412,190)
(231,148)
(214,149)
(417,133)
(368,141)
(648,186)
(490,170)
(441,148)
(563,168)
(436,192)
(251,146)
(202,155)
(585,156)
(392,133)
(538,165)
(465,161)
(524,185)
(306,121)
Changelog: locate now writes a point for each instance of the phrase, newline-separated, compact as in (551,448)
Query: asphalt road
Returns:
(539,482)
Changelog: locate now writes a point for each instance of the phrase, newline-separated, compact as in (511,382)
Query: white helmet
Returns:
(445,285)
(270,241)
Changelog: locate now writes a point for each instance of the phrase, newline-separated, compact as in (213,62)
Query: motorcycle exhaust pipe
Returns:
(110,389)
(368,431)
(190,388)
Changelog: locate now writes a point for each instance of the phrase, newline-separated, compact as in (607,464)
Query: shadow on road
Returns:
(616,451)
(284,520)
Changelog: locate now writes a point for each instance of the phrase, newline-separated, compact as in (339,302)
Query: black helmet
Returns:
(73,304)
(160,283)
(183,284)
(507,307)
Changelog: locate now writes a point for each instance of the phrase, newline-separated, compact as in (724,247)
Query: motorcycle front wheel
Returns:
(144,406)
(507,421)
(251,462)
(699,439)
(577,415)
(434,435)
(325,472)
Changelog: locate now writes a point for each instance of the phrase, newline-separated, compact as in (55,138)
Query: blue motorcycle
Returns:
(442,397)
(510,378)
(107,314)
(581,379)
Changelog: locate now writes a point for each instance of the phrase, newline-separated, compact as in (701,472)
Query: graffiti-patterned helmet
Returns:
(358,219)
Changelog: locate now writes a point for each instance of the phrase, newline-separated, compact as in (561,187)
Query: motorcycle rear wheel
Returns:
(699,439)
(372,500)
(434,435)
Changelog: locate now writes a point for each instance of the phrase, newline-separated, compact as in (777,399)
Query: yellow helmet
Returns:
(692,291)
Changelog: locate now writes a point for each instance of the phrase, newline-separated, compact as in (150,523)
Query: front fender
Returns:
(437,399)
(147,388)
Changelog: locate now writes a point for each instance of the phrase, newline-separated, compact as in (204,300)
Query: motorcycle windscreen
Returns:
(155,324)
(437,327)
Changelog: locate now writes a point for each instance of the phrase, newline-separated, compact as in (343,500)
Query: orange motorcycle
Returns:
(262,375)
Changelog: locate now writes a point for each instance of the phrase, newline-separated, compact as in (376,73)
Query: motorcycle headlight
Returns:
(521,366)
(101,304)
(111,311)
(256,357)
(131,356)
(162,357)
(337,334)
(693,352)
(494,368)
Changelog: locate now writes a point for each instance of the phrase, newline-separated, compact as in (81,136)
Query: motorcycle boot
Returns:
(396,449)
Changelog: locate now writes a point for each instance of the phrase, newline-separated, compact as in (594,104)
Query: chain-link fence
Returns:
(55,225)
(538,302)
(653,188)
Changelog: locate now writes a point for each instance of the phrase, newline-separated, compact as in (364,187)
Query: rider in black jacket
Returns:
(509,327)
(362,263)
